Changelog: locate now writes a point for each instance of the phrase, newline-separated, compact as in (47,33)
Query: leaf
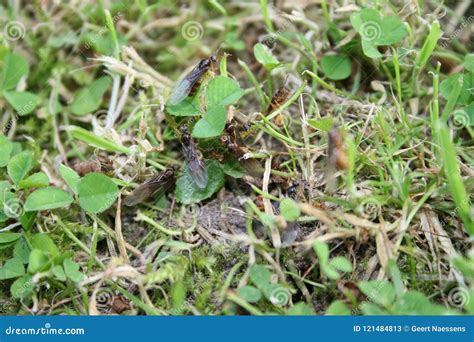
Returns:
(276,294)
(289,209)
(380,292)
(396,276)
(103,43)
(370,50)
(453,97)
(376,30)
(372,309)
(465,265)
(467,93)
(48,198)
(367,22)
(5,188)
(89,98)
(9,237)
(70,177)
(21,251)
(97,192)
(447,86)
(58,272)
(6,245)
(19,166)
(96,141)
(234,169)
(365,15)
(416,303)
(393,30)
(330,272)
(16,148)
(264,56)
(322,251)
(27,219)
(300,309)
(190,106)
(14,68)
(23,102)
(324,124)
(232,41)
(71,269)
(6,148)
(469,62)
(22,287)
(267,220)
(249,293)
(36,180)
(341,263)
(64,38)
(13,268)
(260,276)
(222,91)
(38,261)
(212,124)
(338,308)
(187,191)
(43,242)
(336,67)
(3,218)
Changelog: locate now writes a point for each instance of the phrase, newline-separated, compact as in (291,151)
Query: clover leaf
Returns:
(376,30)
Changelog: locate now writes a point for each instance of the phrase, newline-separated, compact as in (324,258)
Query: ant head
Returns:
(173,168)
(207,62)
(184,130)
(225,139)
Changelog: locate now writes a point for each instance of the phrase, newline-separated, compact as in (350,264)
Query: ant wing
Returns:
(185,85)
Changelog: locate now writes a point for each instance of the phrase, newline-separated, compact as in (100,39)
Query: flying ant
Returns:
(153,186)
(337,155)
(96,164)
(193,157)
(232,140)
(278,99)
(188,84)
(234,144)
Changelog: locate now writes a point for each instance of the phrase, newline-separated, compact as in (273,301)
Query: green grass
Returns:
(352,194)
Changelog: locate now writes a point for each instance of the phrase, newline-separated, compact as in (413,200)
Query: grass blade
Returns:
(96,141)
(453,174)
(428,46)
